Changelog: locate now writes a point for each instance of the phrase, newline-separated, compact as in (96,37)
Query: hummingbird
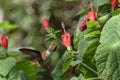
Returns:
(39,57)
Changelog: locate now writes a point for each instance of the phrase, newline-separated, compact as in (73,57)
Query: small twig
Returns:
(89,68)
(63,26)
(95,78)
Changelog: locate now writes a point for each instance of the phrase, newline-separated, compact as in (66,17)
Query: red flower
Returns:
(114,3)
(83,24)
(66,37)
(92,15)
(4,41)
(45,23)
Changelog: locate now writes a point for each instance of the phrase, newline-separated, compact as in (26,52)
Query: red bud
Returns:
(45,23)
(83,24)
(114,3)
(4,41)
(66,37)
(92,15)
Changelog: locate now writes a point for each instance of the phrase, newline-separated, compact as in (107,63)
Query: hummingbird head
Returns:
(52,47)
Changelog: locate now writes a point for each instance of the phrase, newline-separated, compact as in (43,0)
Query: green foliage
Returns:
(7,25)
(92,34)
(17,75)
(6,65)
(83,10)
(66,63)
(107,54)
(62,66)
(94,54)
(78,34)
(92,24)
(78,78)
(99,3)
(29,70)
(116,12)
(104,18)
(2,78)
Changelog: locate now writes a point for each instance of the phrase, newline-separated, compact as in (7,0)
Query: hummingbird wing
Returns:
(33,53)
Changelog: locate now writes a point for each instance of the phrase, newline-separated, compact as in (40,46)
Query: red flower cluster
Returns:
(114,3)
(83,24)
(45,23)
(4,41)
(66,37)
(92,15)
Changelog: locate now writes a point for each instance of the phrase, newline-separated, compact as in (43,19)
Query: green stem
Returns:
(69,48)
(89,68)
(112,10)
(6,54)
(94,78)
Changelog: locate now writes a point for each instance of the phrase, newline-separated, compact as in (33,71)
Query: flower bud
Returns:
(66,38)
(4,41)
(83,24)
(92,15)
(45,23)
(114,3)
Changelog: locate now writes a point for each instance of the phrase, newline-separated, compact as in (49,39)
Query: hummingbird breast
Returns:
(45,54)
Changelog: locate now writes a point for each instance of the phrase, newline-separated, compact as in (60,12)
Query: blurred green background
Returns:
(25,19)
(27,14)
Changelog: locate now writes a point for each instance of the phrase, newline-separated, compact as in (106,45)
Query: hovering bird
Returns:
(38,56)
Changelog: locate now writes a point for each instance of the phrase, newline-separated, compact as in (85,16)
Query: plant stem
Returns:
(89,68)
(95,78)
(5,52)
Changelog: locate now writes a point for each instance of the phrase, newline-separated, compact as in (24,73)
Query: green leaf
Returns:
(29,70)
(74,63)
(18,56)
(57,31)
(88,59)
(80,77)
(7,25)
(98,3)
(110,32)
(92,34)
(57,72)
(116,12)
(74,78)
(17,75)
(83,10)
(1,78)
(6,65)
(104,18)
(92,24)
(78,34)
(66,64)
(107,55)
(82,47)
